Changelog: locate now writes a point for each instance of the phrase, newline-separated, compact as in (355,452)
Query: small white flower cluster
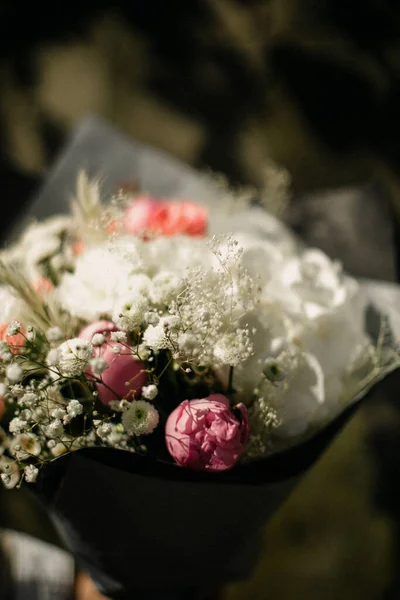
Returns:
(13,328)
(74,356)
(38,429)
(208,313)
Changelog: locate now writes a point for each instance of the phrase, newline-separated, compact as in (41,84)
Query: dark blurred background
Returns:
(223,85)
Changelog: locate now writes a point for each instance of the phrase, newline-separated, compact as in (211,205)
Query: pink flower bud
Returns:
(124,377)
(149,216)
(206,435)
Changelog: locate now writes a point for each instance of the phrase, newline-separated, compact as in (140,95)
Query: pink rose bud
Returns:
(206,435)
(149,216)
(124,377)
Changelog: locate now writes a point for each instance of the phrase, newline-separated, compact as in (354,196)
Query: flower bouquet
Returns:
(163,387)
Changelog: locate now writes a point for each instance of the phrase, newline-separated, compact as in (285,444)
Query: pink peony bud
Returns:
(124,377)
(149,216)
(206,435)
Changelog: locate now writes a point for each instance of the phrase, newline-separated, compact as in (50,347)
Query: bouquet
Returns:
(139,340)
(128,327)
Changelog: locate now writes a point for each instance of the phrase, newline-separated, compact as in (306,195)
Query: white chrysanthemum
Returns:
(100,277)
(25,445)
(31,472)
(149,391)
(14,373)
(155,338)
(75,355)
(140,419)
(128,312)
(74,408)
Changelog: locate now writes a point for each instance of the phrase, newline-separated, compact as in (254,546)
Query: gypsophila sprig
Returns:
(74,357)
(13,328)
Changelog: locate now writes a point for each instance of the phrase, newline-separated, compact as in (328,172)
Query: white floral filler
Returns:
(115,317)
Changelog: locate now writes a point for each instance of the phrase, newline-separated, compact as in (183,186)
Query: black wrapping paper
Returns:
(138,525)
(142,528)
